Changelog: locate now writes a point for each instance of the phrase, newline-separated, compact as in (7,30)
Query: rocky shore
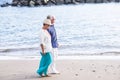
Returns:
(32,3)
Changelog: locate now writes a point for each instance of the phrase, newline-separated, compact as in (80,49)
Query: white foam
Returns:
(90,57)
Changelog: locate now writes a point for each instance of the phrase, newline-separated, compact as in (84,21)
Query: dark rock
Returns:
(98,1)
(38,2)
(111,0)
(93,71)
(24,3)
(80,1)
(81,69)
(90,1)
(69,1)
(60,2)
(5,5)
(15,3)
(53,2)
(105,1)
(76,74)
(117,0)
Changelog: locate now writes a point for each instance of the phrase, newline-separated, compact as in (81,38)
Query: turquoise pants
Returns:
(44,63)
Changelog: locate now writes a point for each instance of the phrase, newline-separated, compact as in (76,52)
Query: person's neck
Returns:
(52,25)
(44,28)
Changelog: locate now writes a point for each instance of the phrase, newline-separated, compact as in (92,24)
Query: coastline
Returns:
(68,57)
(70,69)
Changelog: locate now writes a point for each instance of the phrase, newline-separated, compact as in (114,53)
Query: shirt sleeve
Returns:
(42,38)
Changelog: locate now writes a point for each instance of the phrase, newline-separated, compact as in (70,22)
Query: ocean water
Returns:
(84,29)
(5,1)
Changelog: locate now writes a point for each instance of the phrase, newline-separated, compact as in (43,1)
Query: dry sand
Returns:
(69,70)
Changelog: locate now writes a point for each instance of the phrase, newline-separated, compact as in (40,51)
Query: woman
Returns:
(46,48)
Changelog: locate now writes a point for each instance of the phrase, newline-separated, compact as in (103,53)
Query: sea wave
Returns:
(13,49)
(83,48)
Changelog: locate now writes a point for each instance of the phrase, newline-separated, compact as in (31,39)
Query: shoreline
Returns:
(69,70)
(84,57)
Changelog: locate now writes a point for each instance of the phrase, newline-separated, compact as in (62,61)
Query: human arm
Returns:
(42,44)
(42,48)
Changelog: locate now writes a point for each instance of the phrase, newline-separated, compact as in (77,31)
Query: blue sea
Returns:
(83,29)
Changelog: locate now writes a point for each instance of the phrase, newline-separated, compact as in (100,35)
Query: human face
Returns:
(52,20)
(47,26)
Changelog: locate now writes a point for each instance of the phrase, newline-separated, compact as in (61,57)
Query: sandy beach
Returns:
(82,69)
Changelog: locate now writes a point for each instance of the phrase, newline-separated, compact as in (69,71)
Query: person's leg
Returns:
(42,61)
(47,63)
(54,58)
(45,71)
(41,65)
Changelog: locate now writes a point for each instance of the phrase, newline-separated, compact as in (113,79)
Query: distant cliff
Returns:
(53,2)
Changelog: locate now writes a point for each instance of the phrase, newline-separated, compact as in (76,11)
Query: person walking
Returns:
(54,42)
(46,49)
